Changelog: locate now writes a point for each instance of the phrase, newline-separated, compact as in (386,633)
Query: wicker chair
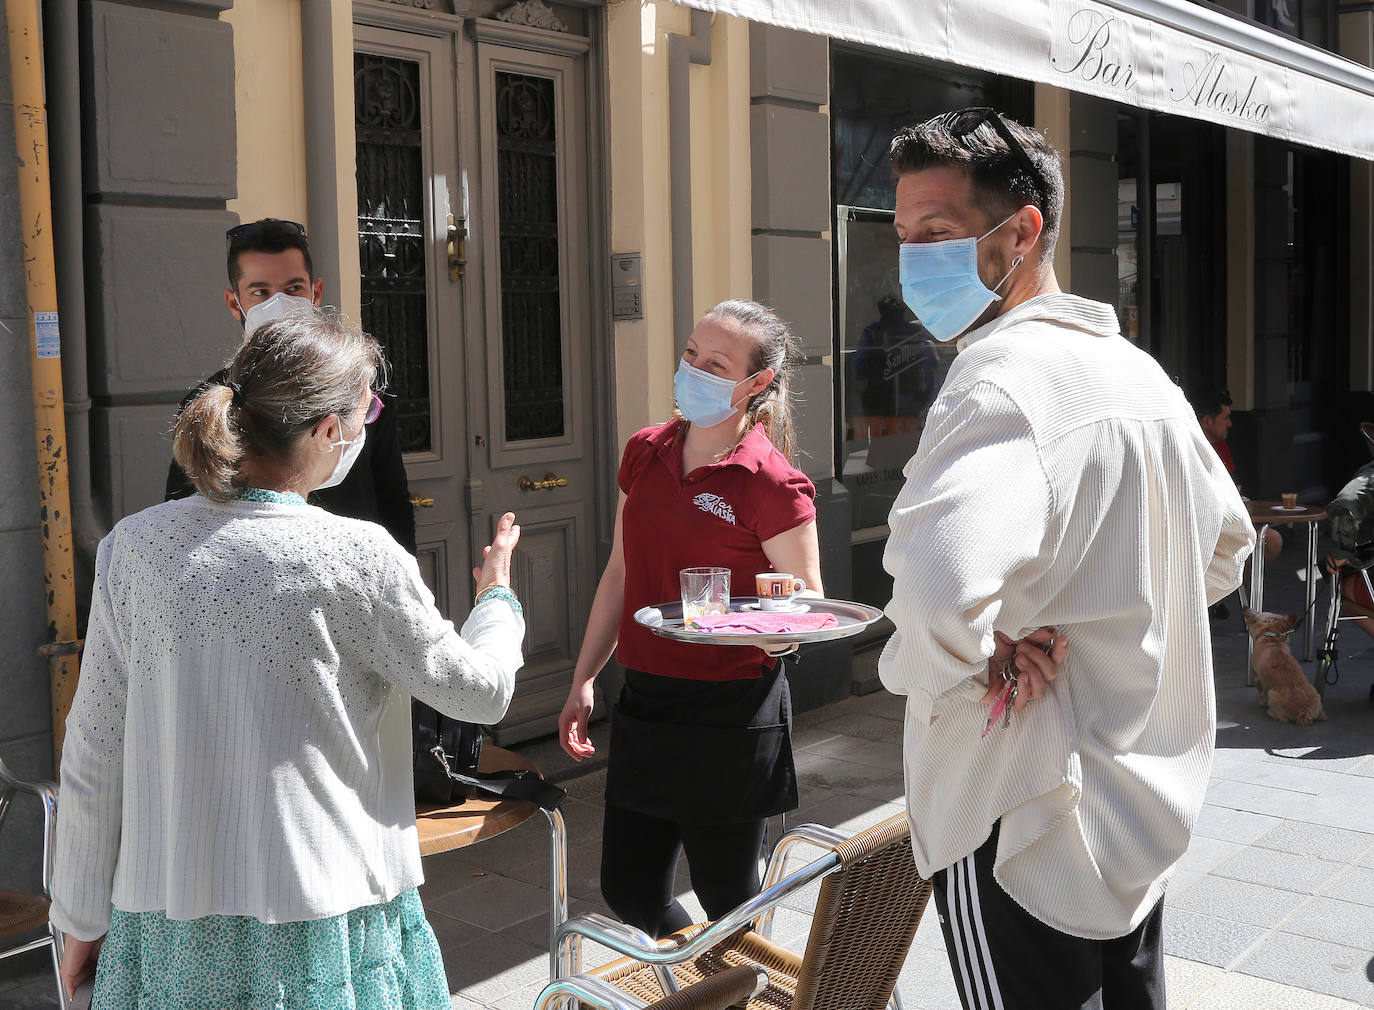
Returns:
(24,913)
(870,903)
(730,988)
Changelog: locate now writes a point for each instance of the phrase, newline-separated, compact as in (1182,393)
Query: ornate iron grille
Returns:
(527,200)
(391,231)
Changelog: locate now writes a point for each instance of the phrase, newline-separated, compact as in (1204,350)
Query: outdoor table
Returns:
(1271,513)
(443,829)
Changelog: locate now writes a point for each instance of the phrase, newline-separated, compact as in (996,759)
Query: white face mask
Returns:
(351,448)
(280,304)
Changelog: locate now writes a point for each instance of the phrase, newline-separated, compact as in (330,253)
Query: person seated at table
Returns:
(237,821)
(1213,409)
(1352,537)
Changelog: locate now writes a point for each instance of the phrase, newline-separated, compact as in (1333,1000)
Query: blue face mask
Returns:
(703,398)
(940,283)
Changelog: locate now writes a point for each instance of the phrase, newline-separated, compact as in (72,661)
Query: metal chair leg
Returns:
(1332,632)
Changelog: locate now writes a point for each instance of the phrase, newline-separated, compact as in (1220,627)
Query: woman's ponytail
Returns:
(205,442)
(775,347)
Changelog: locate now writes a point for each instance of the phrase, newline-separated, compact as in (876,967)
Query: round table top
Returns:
(444,828)
(1271,512)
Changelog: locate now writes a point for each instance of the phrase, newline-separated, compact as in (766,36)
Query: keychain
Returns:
(1001,708)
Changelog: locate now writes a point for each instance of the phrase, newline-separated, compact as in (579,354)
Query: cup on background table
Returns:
(777,590)
(1290,501)
(704,591)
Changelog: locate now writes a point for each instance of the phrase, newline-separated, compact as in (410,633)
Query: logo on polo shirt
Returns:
(716,505)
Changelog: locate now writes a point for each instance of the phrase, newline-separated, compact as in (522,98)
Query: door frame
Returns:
(462,30)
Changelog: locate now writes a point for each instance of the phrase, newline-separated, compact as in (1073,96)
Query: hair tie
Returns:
(237,390)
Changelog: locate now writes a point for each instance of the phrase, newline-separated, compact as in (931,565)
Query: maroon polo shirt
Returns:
(718,515)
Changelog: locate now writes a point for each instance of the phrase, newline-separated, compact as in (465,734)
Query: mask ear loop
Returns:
(1016,262)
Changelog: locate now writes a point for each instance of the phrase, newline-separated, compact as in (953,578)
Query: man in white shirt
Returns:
(1062,481)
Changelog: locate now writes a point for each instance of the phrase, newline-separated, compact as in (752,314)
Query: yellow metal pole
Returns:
(54,493)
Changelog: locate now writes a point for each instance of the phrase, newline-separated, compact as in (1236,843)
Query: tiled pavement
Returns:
(1272,907)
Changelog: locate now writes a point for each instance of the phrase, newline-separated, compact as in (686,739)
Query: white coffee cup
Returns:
(776,590)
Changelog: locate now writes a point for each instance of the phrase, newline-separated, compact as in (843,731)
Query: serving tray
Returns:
(665,619)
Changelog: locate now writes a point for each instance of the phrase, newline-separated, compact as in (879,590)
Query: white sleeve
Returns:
(969,535)
(467,676)
(90,800)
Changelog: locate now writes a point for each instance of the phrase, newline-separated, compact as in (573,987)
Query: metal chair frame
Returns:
(1326,659)
(590,991)
(46,792)
(756,914)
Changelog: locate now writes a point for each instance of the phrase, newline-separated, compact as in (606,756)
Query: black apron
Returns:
(703,752)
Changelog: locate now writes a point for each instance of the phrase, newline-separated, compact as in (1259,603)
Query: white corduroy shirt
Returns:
(240,739)
(1062,480)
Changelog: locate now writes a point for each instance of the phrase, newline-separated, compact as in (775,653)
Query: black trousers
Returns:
(1006,959)
(639,857)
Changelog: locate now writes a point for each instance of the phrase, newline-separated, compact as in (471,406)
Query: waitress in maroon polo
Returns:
(701,753)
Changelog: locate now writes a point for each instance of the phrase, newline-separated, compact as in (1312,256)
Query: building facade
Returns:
(530,204)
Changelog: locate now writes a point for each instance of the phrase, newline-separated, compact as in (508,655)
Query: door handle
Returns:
(420,502)
(457,247)
(550,481)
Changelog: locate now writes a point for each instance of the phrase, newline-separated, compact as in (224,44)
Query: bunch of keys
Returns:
(1001,708)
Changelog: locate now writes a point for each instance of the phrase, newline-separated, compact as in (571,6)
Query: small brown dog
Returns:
(1284,690)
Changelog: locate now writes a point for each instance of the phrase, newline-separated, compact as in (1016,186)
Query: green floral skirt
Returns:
(382,957)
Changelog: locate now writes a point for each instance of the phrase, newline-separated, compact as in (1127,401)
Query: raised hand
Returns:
(495,570)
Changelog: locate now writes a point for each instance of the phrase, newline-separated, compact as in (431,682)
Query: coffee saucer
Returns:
(1285,508)
(795,608)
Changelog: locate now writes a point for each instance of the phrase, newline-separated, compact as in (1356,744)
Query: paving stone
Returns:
(1236,991)
(1185,980)
(485,970)
(1233,825)
(1312,757)
(1354,885)
(839,775)
(1335,921)
(495,902)
(887,755)
(1251,767)
(1318,840)
(451,932)
(1238,901)
(882,704)
(860,726)
(1206,938)
(1256,798)
(1305,874)
(1311,964)
(1205,854)
(1347,805)
(927,981)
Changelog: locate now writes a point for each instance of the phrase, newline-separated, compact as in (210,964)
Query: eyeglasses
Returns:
(374,409)
(966,121)
(241,234)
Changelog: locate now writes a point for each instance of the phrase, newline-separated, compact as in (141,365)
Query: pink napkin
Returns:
(763,624)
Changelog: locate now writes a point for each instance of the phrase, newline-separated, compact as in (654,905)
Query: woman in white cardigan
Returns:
(236,820)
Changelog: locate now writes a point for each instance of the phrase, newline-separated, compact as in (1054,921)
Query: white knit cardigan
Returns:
(239,743)
(1063,480)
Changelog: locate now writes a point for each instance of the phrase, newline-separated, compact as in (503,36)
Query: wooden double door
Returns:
(472,174)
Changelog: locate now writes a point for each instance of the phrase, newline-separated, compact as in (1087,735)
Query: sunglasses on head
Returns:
(966,121)
(241,234)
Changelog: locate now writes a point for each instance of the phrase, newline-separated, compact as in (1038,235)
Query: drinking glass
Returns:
(704,591)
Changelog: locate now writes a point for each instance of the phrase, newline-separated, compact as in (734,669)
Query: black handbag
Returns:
(446,755)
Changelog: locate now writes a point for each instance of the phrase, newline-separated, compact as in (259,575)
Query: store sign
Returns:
(1140,63)
(1180,58)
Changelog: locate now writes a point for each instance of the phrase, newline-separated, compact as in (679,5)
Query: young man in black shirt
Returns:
(270,258)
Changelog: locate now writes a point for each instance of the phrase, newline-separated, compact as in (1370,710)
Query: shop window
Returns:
(1171,220)
(1312,21)
(888,369)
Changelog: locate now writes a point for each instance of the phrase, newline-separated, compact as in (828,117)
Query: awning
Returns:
(1168,55)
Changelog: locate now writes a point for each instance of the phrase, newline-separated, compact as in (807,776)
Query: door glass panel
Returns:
(391,230)
(531,311)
